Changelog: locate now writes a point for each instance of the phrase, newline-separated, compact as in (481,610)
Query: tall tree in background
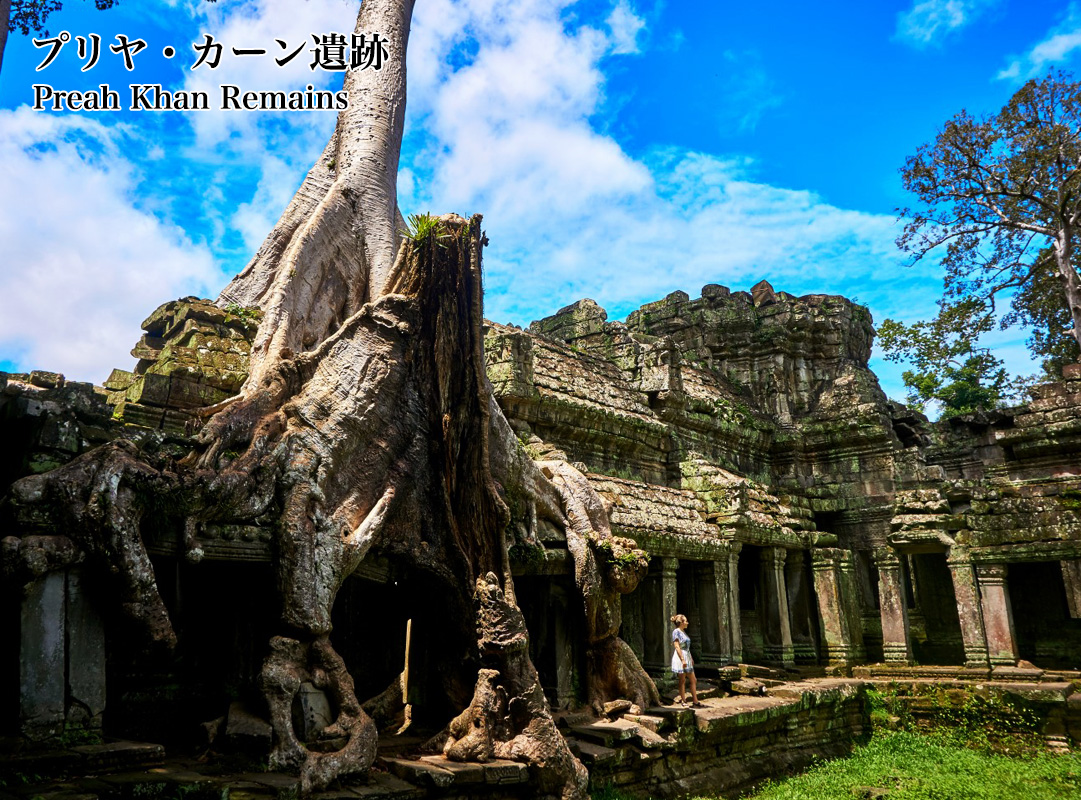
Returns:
(29,16)
(1001,201)
(950,368)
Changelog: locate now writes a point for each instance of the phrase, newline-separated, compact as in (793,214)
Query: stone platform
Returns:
(729,743)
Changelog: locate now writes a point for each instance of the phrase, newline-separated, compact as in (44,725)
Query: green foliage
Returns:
(425,229)
(1001,204)
(991,724)
(523,553)
(250,314)
(609,792)
(913,767)
(1040,306)
(30,15)
(950,368)
(620,556)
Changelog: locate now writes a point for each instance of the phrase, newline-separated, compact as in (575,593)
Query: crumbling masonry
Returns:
(793,512)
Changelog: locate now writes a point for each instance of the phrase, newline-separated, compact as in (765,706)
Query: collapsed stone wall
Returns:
(742,438)
(796,514)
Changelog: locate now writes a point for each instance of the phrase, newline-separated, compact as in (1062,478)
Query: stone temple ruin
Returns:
(819,536)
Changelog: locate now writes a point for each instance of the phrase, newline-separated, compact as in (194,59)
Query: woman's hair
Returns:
(678,620)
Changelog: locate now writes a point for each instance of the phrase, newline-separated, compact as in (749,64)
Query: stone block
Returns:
(46,380)
(246,731)
(42,653)
(420,773)
(385,786)
(463,772)
(501,772)
(184,393)
(149,390)
(85,655)
(119,380)
(311,712)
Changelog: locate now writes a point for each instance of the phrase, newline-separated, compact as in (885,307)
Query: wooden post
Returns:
(405,680)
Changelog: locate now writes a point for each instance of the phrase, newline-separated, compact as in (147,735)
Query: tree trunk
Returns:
(334,247)
(367,421)
(1071,283)
(5,20)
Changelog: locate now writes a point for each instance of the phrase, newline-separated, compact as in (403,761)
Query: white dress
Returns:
(684,642)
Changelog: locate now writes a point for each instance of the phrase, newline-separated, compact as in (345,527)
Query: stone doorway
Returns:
(935,625)
(1046,634)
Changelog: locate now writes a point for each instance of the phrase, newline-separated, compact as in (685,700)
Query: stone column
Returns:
(735,631)
(654,628)
(775,615)
(799,608)
(42,657)
(832,613)
(712,586)
(997,614)
(891,600)
(1071,576)
(669,570)
(86,656)
(968,607)
(632,632)
(661,607)
(850,599)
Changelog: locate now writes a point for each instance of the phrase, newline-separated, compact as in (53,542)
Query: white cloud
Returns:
(1057,46)
(569,213)
(930,21)
(625,25)
(749,92)
(82,264)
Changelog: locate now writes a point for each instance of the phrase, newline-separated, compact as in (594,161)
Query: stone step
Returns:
(420,773)
(380,786)
(605,732)
(649,722)
(90,759)
(440,773)
(592,754)
(677,716)
(463,772)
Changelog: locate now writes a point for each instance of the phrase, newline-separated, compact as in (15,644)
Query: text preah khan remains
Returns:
(152,97)
(333,52)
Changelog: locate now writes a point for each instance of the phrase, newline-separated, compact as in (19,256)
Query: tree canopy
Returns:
(1000,203)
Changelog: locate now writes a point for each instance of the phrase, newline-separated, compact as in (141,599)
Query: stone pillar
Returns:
(735,632)
(799,608)
(712,582)
(85,655)
(563,646)
(775,615)
(660,608)
(669,571)
(832,612)
(997,614)
(850,598)
(1071,576)
(42,657)
(968,607)
(891,600)
(632,630)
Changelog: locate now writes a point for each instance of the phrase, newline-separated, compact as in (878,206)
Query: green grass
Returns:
(915,767)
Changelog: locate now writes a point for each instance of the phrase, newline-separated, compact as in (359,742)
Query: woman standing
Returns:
(682,663)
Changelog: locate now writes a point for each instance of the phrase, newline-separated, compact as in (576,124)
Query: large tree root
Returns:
(290,664)
(509,716)
(605,567)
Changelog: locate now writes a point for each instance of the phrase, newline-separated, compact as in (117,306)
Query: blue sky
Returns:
(619,150)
